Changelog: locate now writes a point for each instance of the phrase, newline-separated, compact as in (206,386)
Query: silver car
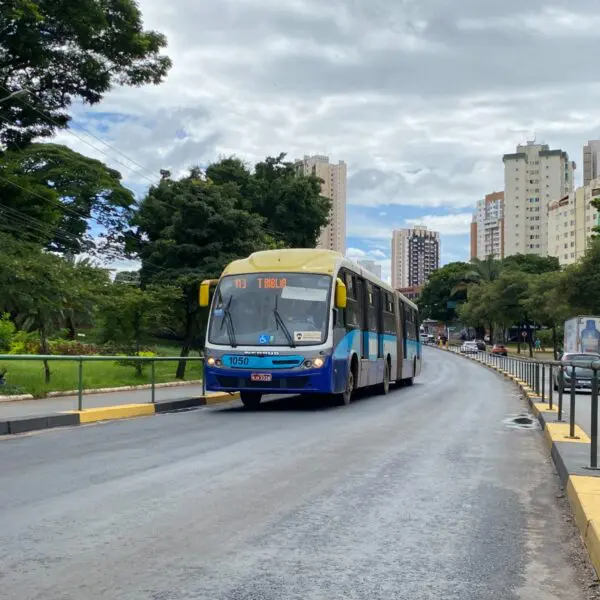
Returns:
(469,348)
(583,375)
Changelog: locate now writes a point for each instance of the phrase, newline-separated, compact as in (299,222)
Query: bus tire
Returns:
(384,386)
(345,397)
(410,380)
(251,400)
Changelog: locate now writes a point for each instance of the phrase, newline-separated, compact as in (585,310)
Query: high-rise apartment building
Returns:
(371,266)
(591,161)
(571,222)
(487,227)
(333,237)
(533,177)
(415,255)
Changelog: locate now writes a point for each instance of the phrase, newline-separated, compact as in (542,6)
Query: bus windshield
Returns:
(271,309)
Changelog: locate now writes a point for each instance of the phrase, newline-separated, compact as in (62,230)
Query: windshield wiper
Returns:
(228,322)
(280,322)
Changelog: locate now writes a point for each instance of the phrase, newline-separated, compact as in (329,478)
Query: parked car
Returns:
(500,349)
(469,348)
(480,345)
(583,375)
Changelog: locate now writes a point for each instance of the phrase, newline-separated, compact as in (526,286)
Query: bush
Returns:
(25,343)
(138,365)
(74,348)
(7,332)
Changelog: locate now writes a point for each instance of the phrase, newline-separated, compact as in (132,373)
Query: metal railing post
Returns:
(80,384)
(572,406)
(543,382)
(594,422)
(561,389)
(153,376)
(550,386)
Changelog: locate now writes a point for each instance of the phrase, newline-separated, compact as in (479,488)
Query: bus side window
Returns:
(389,322)
(350,320)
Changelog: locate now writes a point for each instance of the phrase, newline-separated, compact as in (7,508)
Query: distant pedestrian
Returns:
(538,345)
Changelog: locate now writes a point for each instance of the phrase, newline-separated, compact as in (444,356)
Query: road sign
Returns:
(524,334)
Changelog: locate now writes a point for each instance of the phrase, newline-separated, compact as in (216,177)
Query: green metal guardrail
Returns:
(533,372)
(82,359)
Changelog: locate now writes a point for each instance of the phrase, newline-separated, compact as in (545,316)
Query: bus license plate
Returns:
(261,377)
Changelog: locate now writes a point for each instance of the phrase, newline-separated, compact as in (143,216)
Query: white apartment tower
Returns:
(487,227)
(591,162)
(533,177)
(415,255)
(371,266)
(333,237)
(571,223)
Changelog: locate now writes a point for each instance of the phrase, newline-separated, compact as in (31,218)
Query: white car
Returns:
(469,348)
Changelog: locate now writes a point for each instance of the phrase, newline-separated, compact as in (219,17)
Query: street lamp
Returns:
(17,94)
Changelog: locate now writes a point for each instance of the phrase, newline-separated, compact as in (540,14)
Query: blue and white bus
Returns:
(306,322)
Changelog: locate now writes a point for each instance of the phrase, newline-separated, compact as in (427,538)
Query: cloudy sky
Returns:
(420,97)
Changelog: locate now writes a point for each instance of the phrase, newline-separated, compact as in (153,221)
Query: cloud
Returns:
(420,98)
(355,253)
(459,224)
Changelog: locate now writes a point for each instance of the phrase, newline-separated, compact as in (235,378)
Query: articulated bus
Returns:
(306,322)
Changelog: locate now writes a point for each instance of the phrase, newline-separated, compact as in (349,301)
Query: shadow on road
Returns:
(307,403)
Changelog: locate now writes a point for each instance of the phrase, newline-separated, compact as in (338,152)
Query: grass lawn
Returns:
(29,375)
(546,355)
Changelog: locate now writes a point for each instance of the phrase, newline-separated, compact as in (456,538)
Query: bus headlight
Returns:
(210,361)
(317,363)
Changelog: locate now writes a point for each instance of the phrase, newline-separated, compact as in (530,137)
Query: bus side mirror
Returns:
(340,294)
(204,299)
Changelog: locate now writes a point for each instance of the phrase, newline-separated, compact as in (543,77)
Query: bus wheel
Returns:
(251,400)
(345,397)
(384,386)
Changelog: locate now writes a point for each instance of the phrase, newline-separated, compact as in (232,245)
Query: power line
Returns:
(104,152)
(263,228)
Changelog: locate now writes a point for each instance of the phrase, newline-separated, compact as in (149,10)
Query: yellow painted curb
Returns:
(584,497)
(109,413)
(221,398)
(559,432)
(538,407)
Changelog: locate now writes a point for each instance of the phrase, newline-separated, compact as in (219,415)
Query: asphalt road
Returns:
(425,493)
(583,405)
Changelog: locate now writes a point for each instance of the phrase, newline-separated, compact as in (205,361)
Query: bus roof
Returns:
(290,260)
(302,260)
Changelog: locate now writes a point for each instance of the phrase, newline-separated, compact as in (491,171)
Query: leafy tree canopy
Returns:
(443,292)
(531,263)
(291,203)
(61,50)
(48,193)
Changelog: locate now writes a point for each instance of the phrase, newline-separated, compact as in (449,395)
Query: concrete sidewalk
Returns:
(44,406)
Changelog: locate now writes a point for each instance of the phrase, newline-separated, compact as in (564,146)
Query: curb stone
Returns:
(108,413)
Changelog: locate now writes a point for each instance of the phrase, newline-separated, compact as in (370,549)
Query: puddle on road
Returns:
(522,420)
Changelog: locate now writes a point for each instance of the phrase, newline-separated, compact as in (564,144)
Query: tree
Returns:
(128,277)
(546,302)
(187,231)
(61,50)
(479,309)
(581,284)
(129,315)
(40,289)
(442,293)
(293,208)
(49,193)
(531,263)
